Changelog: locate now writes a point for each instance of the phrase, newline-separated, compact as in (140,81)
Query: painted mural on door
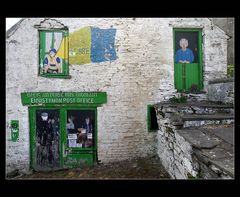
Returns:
(47,139)
(188,60)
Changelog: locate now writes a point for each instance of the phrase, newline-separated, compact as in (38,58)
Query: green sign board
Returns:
(14,130)
(45,98)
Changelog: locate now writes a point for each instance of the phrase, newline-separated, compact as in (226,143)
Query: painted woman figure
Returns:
(184,55)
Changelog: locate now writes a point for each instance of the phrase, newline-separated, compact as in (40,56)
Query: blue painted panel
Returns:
(102,44)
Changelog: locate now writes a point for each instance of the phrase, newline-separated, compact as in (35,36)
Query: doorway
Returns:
(47,139)
(188,70)
(62,137)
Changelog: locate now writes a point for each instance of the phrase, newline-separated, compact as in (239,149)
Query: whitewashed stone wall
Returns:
(176,154)
(142,74)
(221,91)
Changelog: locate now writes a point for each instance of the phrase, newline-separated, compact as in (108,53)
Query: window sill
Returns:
(56,76)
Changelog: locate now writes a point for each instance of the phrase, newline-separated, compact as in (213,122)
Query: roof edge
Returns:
(220,29)
(14,28)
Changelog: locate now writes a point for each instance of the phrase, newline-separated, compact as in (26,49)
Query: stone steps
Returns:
(207,117)
(196,108)
(200,120)
(192,139)
(213,149)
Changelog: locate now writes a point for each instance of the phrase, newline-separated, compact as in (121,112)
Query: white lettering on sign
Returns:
(62,100)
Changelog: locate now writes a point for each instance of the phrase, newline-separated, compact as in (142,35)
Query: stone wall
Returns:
(142,74)
(174,151)
(221,90)
(184,148)
(227,25)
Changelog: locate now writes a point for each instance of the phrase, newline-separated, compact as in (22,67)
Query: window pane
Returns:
(80,128)
(58,38)
(190,40)
(48,42)
(152,119)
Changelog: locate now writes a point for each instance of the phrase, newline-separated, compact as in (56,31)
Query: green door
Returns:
(45,139)
(188,60)
(79,137)
(62,137)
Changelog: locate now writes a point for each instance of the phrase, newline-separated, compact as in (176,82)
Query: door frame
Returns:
(62,123)
(200,52)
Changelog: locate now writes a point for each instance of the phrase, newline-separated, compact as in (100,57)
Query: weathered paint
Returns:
(92,44)
(102,44)
(79,46)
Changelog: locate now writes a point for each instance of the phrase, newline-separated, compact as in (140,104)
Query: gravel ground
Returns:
(138,168)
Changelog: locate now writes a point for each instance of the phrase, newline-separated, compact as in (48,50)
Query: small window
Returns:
(152,118)
(53,53)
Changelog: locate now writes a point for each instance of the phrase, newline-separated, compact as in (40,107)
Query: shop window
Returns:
(152,118)
(80,128)
(53,53)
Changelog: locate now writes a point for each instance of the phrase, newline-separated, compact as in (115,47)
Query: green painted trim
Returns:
(52,45)
(62,136)
(32,124)
(96,136)
(60,76)
(187,29)
(42,38)
(200,58)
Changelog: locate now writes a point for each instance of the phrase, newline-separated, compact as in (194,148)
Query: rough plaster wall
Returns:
(227,24)
(141,75)
(221,92)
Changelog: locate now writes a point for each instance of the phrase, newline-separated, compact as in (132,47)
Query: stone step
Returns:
(213,146)
(194,117)
(200,120)
(196,108)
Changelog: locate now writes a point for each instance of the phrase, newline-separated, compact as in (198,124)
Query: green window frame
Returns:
(151,122)
(47,40)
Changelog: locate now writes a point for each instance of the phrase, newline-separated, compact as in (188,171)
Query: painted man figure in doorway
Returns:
(88,126)
(184,55)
